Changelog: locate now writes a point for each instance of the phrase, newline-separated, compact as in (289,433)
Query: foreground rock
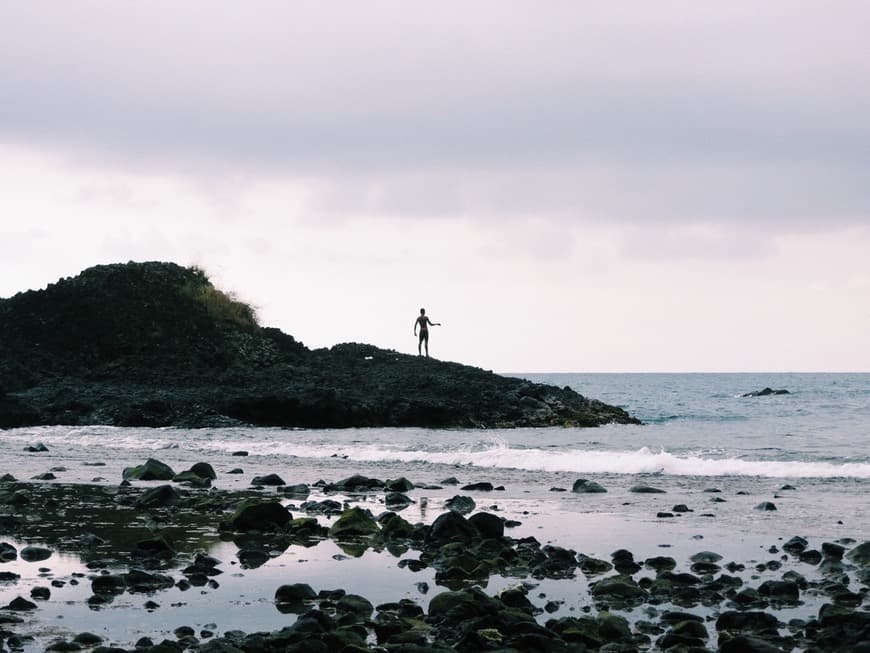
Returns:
(155,344)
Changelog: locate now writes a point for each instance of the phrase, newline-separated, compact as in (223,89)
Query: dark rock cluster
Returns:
(155,344)
(708,605)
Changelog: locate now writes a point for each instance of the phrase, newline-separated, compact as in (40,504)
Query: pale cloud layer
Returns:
(568,186)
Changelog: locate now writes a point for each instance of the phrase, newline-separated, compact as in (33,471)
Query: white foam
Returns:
(500,455)
(488,452)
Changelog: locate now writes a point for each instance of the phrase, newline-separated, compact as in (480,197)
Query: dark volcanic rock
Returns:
(158,497)
(483,486)
(645,489)
(487,524)
(295,593)
(152,470)
(7,552)
(354,522)
(582,486)
(34,553)
(765,392)
(451,526)
(253,515)
(268,479)
(460,504)
(156,344)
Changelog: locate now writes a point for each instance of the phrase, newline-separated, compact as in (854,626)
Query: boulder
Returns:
(622,588)
(394,527)
(795,545)
(20,604)
(356,605)
(400,484)
(860,555)
(295,593)
(782,590)
(450,527)
(253,515)
(192,479)
(151,470)
(660,563)
(157,547)
(583,486)
(355,483)
(646,489)
(108,584)
(7,552)
(204,470)
(34,553)
(268,479)
(354,522)
(397,501)
(137,580)
(460,504)
(487,524)
(484,486)
(297,491)
(158,497)
(756,622)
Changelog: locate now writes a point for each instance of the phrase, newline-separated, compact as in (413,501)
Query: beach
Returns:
(568,568)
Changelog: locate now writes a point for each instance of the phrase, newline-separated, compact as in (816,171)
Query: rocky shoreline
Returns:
(155,344)
(147,536)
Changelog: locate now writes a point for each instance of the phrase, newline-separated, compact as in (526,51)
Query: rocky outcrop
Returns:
(156,344)
(765,392)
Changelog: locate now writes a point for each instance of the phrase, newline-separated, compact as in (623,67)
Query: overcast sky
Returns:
(567,186)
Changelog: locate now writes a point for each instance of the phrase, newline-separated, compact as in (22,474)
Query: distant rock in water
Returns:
(156,344)
(765,393)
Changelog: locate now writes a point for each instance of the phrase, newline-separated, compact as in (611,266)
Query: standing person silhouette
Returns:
(424,323)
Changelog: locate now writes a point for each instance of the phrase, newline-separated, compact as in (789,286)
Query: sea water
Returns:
(808,452)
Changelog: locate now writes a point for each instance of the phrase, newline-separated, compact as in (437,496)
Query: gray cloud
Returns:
(619,111)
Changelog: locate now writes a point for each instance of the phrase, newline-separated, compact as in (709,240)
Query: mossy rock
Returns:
(354,522)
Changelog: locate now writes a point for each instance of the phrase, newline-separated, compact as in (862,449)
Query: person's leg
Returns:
(420,345)
(426,343)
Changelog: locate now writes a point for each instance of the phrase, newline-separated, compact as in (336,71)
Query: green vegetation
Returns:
(220,305)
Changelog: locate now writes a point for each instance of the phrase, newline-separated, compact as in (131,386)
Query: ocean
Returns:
(705,446)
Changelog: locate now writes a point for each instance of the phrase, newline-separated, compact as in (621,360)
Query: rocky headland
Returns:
(156,344)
